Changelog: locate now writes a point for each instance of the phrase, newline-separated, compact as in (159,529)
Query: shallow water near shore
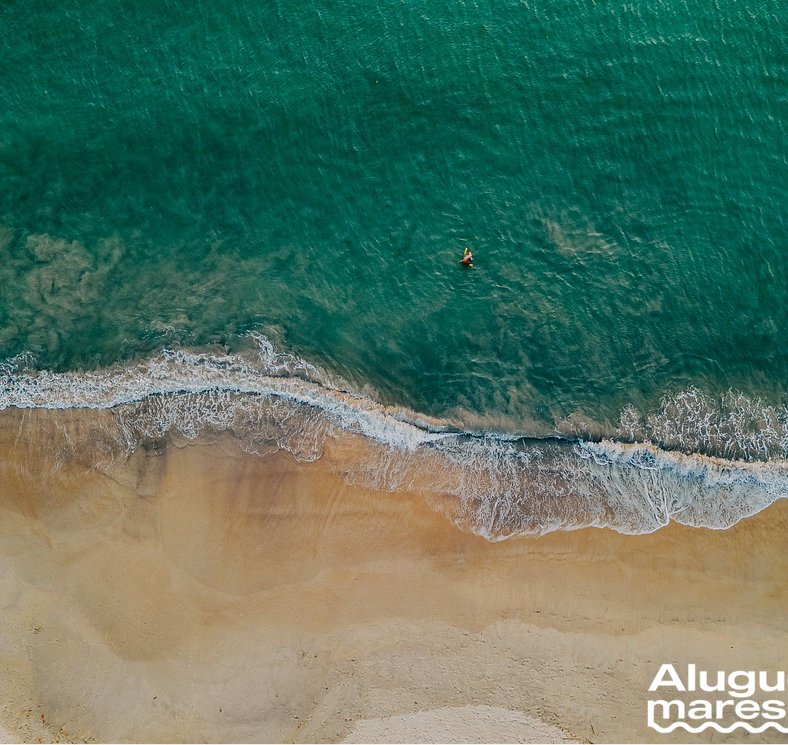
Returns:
(711,470)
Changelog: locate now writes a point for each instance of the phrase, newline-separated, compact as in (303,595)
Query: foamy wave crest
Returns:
(734,426)
(495,485)
(215,382)
(501,488)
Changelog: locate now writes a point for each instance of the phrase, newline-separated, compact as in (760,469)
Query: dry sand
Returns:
(196,593)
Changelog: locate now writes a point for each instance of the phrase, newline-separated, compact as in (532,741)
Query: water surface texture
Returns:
(188,175)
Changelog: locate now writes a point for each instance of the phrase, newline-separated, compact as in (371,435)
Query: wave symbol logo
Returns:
(743,699)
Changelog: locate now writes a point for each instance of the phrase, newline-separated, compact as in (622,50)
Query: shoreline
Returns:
(687,423)
(196,592)
(490,484)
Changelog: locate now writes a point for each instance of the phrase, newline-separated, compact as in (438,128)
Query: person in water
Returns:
(467,258)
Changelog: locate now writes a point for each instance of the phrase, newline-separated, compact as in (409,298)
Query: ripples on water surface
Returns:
(182,176)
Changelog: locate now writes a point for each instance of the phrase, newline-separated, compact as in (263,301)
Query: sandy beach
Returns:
(193,592)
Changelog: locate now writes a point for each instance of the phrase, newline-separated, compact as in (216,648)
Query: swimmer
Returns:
(467,258)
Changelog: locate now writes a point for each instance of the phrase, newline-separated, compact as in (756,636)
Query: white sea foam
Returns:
(179,373)
(502,489)
(495,485)
(733,426)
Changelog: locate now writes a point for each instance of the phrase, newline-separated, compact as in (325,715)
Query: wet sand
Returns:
(193,592)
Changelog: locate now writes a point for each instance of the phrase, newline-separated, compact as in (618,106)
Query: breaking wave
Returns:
(687,462)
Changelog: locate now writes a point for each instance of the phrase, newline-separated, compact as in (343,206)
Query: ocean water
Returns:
(249,217)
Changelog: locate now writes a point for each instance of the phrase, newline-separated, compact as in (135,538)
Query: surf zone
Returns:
(726,701)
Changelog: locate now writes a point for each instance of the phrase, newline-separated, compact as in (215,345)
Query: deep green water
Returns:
(184,173)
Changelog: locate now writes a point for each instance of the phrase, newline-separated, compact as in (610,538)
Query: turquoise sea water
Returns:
(183,174)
